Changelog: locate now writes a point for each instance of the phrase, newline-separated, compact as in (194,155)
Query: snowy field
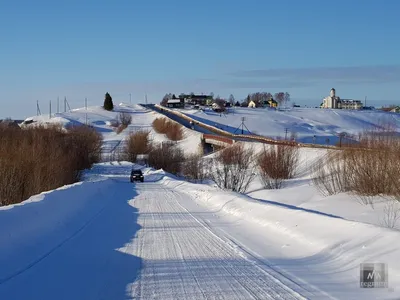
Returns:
(304,122)
(106,238)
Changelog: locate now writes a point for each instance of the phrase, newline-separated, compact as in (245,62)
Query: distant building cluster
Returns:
(335,102)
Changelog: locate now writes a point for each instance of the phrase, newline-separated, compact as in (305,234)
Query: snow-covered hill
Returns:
(103,120)
(303,122)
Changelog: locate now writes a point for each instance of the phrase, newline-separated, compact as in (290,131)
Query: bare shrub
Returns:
(166,156)
(391,213)
(369,169)
(38,159)
(171,129)
(277,163)
(137,143)
(86,143)
(125,118)
(330,175)
(233,168)
(194,168)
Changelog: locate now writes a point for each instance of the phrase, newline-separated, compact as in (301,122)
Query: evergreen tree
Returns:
(108,103)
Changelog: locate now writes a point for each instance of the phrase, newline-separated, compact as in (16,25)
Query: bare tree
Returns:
(165,99)
(286,98)
(221,104)
(279,97)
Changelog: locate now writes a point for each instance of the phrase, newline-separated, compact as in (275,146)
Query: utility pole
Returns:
(243,126)
(365,101)
(65,104)
(130,98)
(86,103)
(38,108)
(50,110)
(58,104)
(286,132)
(146,98)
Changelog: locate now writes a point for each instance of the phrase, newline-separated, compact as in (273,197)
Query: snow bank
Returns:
(343,244)
(32,229)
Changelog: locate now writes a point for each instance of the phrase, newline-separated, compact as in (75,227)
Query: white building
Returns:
(252,104)
(350,104)
(332,101)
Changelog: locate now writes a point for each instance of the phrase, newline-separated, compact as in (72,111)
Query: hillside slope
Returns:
(103,120)
(305,123)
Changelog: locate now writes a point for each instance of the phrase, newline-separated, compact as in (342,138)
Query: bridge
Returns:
(217,140)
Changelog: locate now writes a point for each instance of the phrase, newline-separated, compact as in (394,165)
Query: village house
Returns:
(176,103)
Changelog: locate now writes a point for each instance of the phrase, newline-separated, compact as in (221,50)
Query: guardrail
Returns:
(219,138)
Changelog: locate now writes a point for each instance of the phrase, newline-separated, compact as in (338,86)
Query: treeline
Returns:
(37,159)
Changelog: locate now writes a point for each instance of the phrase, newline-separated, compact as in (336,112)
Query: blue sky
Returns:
(81,49)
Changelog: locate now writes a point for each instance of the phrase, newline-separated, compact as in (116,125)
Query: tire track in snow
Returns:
(183,258)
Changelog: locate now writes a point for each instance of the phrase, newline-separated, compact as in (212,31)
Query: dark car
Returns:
(137,175)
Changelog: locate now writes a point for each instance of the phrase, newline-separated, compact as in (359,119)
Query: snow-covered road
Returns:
(182,258)
(115,240)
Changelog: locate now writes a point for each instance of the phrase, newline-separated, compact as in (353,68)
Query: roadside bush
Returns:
(38,159)
(234,168)
(166,156)
(125,118)
(368,170)
(194,168)
(137,143)
(277,163)
(171,129)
